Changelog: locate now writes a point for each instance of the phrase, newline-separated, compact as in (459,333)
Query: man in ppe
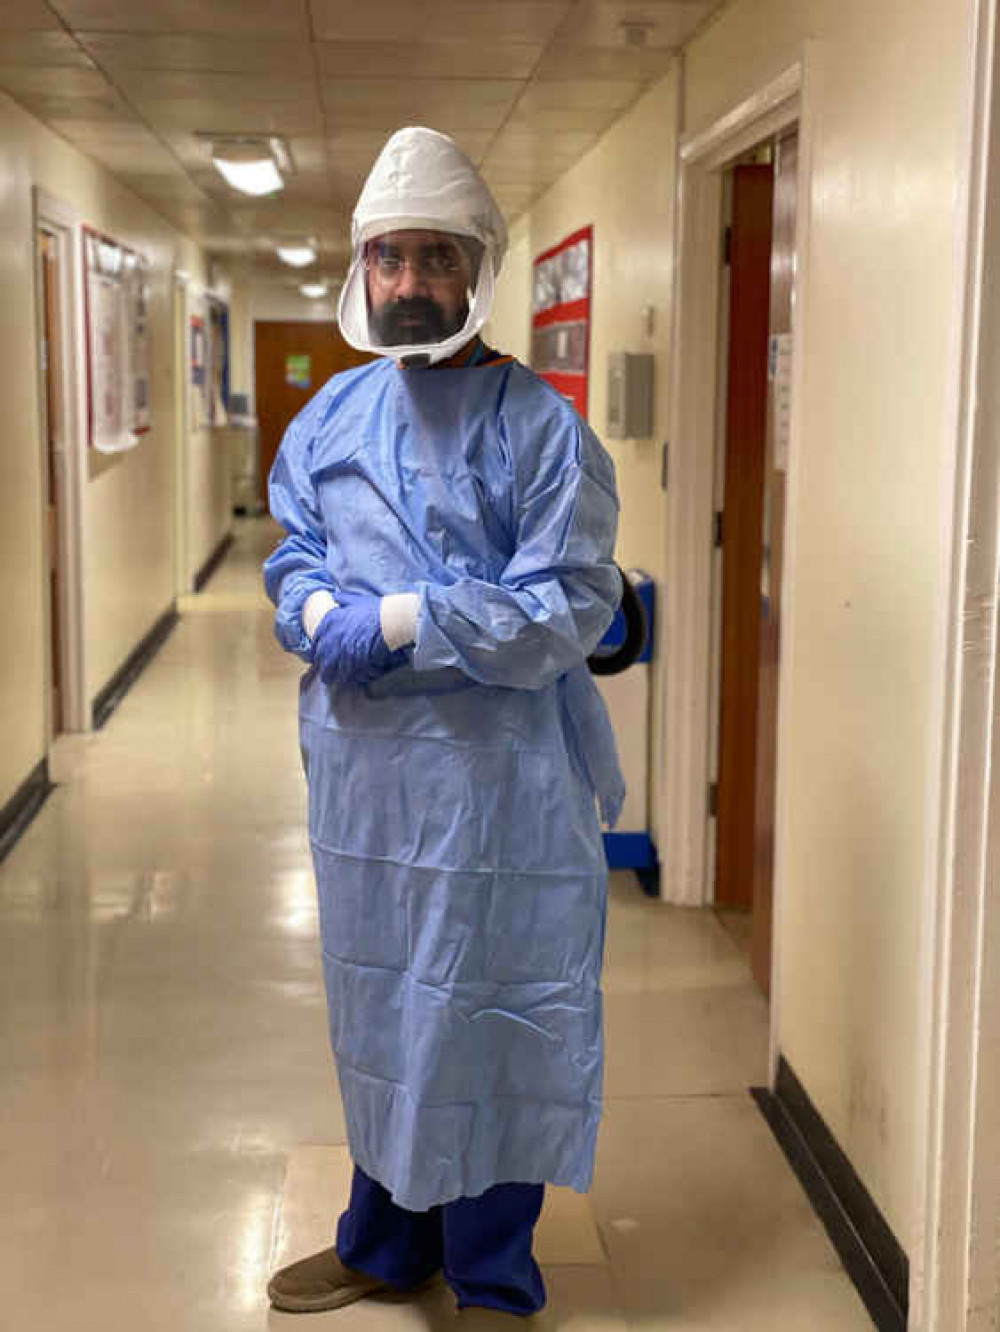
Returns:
(446,570)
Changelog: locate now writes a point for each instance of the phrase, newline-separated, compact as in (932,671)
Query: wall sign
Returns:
(298,371)
(560,316)
(116,308)
(198,377)
(218,362)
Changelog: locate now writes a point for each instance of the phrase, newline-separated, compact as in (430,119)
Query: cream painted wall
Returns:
(871,526)
(871,540)
(128,498)
(207,465)
(508,328)
(209,496)
(624,188)
(253,300)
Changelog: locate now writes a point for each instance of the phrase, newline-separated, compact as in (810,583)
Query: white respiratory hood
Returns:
(422,180)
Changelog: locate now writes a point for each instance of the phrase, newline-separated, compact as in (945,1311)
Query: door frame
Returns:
(180,289)
(61,221)
(955,1261)
(688,707)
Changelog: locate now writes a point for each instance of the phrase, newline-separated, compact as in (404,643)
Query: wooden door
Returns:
(48,254)
(746,437)
(779,364)
(292,362)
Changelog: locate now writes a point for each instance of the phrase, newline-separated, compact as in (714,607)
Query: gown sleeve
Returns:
(558,591)
(297,566)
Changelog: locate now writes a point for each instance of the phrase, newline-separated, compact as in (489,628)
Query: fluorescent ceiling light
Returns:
(314,290)
(297,255)
(248,167)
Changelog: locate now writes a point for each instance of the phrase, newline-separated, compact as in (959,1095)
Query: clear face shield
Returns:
(416,294)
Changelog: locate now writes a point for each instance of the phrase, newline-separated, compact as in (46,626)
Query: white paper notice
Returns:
(779,372)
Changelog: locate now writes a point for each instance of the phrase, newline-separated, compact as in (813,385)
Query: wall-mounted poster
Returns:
(198,377)
(218,363)
(116,305)
(560,316)
(298,371)
(137,313)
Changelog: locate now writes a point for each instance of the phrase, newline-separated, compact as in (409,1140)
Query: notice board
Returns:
(116,310)
(560,316)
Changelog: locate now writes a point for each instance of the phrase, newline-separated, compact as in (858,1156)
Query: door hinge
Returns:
(727,246)
(717,536)
(713,799)
(665,464)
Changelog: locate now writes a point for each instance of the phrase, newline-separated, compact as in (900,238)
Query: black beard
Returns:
(392,328)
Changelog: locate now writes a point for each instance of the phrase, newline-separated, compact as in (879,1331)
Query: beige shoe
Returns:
(319,1282)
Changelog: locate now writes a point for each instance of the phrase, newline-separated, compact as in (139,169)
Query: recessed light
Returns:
(248,166)
(299,256)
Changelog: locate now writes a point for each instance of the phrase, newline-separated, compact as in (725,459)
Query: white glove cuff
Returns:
(398,615)
(316,606)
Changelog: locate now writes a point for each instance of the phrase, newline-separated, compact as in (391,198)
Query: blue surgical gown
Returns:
(457,848)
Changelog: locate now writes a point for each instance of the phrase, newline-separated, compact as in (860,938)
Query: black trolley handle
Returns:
(621,658)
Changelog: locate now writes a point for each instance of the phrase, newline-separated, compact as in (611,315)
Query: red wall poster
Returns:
(560,316)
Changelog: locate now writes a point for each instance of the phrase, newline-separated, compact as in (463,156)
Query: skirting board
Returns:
(872,1256)
(132,667)
(213,562)
(23,805)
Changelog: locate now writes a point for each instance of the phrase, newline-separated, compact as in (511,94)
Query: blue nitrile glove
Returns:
(348,646)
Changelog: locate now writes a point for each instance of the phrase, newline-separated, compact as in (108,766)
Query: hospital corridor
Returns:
(499,563)
(171,1125)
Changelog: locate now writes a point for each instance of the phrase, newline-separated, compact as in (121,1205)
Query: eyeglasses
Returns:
(432,263)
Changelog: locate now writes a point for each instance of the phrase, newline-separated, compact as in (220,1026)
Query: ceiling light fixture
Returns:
(314,290)
(248,165)
(299,256)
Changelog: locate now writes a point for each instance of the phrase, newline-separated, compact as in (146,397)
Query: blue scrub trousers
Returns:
(483,1245)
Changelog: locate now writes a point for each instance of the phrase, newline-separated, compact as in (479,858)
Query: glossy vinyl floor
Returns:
(169,1120)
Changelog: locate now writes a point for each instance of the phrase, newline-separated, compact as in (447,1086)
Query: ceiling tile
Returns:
(56,110)
(527,148)
(220,55)
(118,133)
(474,143)
(590,62)
(345,189)
(667,23)
(357,149)
(201,85)
(390,103)
(223,116)
(429,60)
(525,21)
(508,175)
(174,187)
(199,221)
(60,82)
(140,162)
(562,118)
(27,16)
(307,190)
(50,49)
(512,197)
(279,217)
(186,147)
(356,144)
(260,17)
(133,159)
(579,94)
(309,153)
